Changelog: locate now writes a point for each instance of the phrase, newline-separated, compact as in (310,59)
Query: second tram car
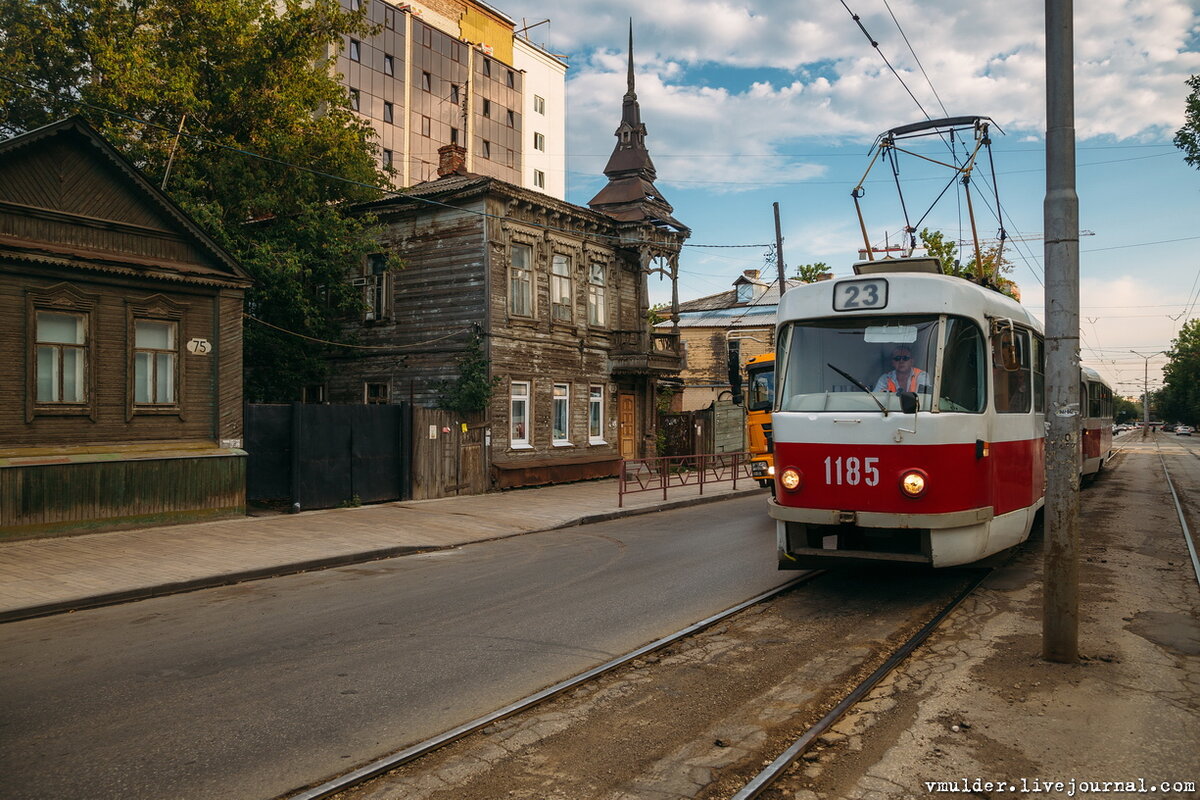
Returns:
(910,419)
(1096,422)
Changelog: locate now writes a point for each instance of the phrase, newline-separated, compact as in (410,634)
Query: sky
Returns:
(763,101)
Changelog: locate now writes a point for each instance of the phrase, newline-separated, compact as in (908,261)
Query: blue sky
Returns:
(768,101)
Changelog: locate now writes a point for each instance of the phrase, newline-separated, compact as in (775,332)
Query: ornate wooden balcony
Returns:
(644,353)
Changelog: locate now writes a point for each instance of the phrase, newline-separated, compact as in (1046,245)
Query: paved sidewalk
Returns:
(44,576)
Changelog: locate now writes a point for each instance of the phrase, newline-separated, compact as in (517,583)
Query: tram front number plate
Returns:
(869,293)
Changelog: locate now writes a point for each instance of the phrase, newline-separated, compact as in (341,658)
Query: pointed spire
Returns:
(630,194)
(630,93)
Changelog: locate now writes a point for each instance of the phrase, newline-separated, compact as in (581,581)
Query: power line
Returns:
(350,181)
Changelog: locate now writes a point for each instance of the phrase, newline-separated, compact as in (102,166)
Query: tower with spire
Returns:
(630,195)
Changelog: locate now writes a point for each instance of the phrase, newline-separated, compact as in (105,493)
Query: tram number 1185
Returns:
(851,471)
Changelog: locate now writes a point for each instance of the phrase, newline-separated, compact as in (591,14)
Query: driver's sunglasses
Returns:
(901,358)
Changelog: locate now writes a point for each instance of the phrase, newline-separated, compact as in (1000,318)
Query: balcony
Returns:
(645,353)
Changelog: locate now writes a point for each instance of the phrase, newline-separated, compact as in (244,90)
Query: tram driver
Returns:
(904,375)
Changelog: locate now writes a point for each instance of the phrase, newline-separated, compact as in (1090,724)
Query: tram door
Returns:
(627,425)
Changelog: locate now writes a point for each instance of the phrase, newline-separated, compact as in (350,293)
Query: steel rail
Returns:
(388,763)
(777,767)
(1187,534)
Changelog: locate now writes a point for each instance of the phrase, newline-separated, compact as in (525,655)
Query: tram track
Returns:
(819,676)
(1187,533)
(361,775)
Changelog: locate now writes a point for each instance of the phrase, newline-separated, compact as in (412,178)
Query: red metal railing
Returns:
(665,472)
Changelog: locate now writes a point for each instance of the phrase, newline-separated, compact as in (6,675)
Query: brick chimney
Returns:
(452,160)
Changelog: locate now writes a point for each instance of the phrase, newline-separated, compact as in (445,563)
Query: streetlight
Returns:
(1146,388)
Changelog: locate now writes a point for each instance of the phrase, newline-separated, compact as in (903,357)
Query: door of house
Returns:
(627,425)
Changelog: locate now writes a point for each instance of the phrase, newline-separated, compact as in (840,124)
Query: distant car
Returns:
(1168,428)
(1183,430)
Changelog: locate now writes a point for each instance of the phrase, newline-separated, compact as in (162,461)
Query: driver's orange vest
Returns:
(912,382)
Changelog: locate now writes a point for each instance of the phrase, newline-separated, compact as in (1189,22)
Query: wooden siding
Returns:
(436,301)
(109,322)
(61,194)
(78,498)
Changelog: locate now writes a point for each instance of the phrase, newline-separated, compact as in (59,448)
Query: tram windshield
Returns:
(863,363)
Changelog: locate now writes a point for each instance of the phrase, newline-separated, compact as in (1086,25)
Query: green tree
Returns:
(1179,399)
(471,392)
(811,273)
(1187,138)
(995,263)
(1125,410)
(236,77)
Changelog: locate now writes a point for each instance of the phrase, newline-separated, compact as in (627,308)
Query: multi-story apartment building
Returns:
(455,72)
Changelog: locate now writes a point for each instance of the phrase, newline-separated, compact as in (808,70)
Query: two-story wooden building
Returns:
(120,389)
(556,295)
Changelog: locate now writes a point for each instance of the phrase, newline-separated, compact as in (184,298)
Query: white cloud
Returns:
(982,59)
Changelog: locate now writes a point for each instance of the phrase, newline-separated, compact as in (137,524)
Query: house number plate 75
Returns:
(860,295)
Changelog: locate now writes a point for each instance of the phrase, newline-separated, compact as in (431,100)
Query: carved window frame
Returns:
(523,238)
(65,299)
(155,308)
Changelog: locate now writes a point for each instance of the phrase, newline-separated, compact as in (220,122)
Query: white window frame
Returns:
(539,179)
(598,295)
(562,295)
(519,392)
(560,401)
(355,50)
(539,104)
(520,274)
(539,141)
(596,414)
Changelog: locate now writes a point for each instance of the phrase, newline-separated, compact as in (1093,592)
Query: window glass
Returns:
(857,364)
(597,295)
(562,394)
(596,414)
(963,379)
(1011,371)
(1039,374)
(520,299)
(560,287)
(760,394)
(61,358)
(519,413)
(154,362)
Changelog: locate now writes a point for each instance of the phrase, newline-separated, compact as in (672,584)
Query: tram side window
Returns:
(962,375)
(1011,370)
(1039,374)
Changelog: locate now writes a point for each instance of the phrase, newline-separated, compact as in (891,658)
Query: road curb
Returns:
(330,562)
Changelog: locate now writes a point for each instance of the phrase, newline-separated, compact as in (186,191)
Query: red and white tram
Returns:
(940,465)
(1096,421)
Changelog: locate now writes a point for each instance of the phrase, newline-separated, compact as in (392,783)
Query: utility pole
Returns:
(1060,608)
(779,253)
(1146,391)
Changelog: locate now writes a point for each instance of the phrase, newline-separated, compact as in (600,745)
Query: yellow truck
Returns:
(759,398)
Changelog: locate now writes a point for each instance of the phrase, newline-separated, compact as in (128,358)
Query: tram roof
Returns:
(908,293)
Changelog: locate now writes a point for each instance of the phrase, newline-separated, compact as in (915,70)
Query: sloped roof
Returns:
(134,205)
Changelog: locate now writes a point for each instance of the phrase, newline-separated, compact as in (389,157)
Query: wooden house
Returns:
(121,385)
(556,296)
(736,324)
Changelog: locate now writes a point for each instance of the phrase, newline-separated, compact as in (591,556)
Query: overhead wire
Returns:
(393,193)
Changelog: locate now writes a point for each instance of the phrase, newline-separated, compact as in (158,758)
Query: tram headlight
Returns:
(913,483)
(790,479)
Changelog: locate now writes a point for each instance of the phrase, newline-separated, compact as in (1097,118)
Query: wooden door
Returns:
(627,425)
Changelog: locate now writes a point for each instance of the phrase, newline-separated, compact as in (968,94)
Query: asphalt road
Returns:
(253,690)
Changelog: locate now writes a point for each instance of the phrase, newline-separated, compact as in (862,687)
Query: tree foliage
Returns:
(471,392)
(994,263)
(1187,138)
(1180,395)
(237,77)
(811,273)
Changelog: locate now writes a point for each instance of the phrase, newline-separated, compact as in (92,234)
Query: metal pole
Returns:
(779,252)
(1146,390)
(1060,610)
